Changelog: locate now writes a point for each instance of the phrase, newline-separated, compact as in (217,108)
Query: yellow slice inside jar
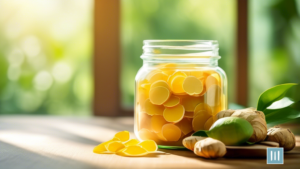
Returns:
(176,85)
(199,120)
(158,76)
(174,114)
(157,122)
(185,126)
(171,132)
(192,85)
(172,101)
(190,102)
(152,109)
(159,95)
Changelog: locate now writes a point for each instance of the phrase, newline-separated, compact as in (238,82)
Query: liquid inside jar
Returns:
(173,101)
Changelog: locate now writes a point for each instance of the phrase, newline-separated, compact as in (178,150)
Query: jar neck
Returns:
(212,62)
(181,52)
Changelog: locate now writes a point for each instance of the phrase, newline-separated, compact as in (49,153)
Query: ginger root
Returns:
(284,137)
(255,118)
(210,148)
(189,142)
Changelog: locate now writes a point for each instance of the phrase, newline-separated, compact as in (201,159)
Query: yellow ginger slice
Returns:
(172,101)
(171,132)
(160,83)
(157,122)
(176,85)
(192,85)
(159,95)
(190,102)
(203,106)
(208,123)
(123,136)
(132,142)
(171,78)
(152,109)
(149,145)
(174,114)
(158,76)
(101,148)
(185,126)
(114,146)
(135,150)
(200,119)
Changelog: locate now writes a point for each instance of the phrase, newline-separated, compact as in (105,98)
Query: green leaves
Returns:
(276,106)
(201,133)
(273,94)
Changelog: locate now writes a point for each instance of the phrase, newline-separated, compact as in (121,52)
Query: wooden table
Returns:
(42,142)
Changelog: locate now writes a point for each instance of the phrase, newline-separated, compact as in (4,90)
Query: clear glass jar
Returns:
(178,90)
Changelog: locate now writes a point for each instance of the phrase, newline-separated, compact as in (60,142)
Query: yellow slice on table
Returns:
(176,84)
(101,148)
(161,83)
(174,114)
(203,106)
(152,109)
(190,102)
(132,142)
(135,151)
(157,122)
(189,114)
(171,78)
(114,146)
(149,145)
(192,85)
(213,95)
(172,101)
(185,126)
(208,123)
(171,132)
(159,95)
(145,134)
(123,136)
(199,120)
(158,76)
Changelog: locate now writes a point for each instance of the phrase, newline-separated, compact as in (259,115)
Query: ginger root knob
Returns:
(284,137)
(189,142)
(256,120)
(210,148)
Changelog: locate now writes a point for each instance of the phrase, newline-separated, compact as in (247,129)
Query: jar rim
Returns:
(196,48)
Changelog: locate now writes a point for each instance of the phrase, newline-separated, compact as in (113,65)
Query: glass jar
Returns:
(178,90)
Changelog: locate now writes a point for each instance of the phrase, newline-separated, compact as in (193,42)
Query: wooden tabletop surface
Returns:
(42,142)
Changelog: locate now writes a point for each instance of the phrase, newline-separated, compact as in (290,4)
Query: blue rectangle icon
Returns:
(275,155)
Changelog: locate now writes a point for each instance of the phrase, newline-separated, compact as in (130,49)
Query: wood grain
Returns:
(36,142)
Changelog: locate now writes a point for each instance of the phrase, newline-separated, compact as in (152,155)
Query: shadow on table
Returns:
(12,157)
(39,128)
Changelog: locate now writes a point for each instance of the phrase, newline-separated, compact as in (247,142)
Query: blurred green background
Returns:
(46,47)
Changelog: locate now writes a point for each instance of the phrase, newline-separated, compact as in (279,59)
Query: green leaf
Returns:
(201,133)
(282,115)
(273,94)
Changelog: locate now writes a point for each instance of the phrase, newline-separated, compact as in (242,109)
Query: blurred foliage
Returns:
(274,46)
(175,19)
(45,53)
